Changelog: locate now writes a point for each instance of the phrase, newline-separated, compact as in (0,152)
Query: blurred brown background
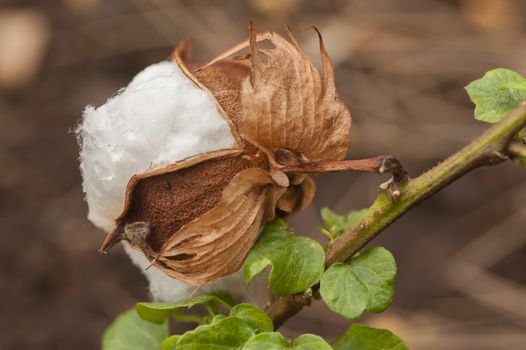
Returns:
(400,66)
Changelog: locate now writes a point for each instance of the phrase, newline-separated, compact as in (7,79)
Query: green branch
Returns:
(517,150)
(394,200)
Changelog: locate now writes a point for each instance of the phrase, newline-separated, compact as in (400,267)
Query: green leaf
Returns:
(496,94)
(170,343)
(180,316)
(129,331)
(159,312)
(217,318)
(253,316)
(275,341)
(296,262)
(230,333)
(310,342)
(366,282)
(336,224)
(267,341)
(361,337)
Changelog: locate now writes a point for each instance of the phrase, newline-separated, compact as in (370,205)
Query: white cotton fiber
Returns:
(164,288)
(159,118)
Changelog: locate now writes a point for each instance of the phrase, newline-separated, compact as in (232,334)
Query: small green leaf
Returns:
(159,312)
(336,224)
(253,316)
(496,94)
(170,343)
(267,341)
(230,333)
(275,341)
(217,318)
(364,283)
(361,337)
(296,262)
(310,342)
(129,331)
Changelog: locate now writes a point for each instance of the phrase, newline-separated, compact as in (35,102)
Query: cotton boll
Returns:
(161,117)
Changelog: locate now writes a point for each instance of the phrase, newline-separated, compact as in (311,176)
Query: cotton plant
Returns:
(195,168)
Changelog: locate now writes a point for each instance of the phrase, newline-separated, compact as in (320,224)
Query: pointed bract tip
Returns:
(111,239)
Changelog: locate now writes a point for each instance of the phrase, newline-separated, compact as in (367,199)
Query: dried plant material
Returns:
(170,197)
(279,177)
(236,48)
(226,86)
(196,219)
(222,79)
(217,243)
(137,232)
(298,196)
(287,105)
(288,202)
(308,190)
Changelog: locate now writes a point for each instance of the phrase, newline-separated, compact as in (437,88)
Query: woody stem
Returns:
(490,148)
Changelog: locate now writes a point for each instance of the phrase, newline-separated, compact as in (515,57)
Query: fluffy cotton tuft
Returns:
(161,117)
(165,289)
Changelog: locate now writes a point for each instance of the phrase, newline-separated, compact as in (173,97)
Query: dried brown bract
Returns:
(287,105)
(197,219)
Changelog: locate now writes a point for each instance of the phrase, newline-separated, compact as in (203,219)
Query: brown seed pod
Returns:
(198,218)
(216,243)
(170,197)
